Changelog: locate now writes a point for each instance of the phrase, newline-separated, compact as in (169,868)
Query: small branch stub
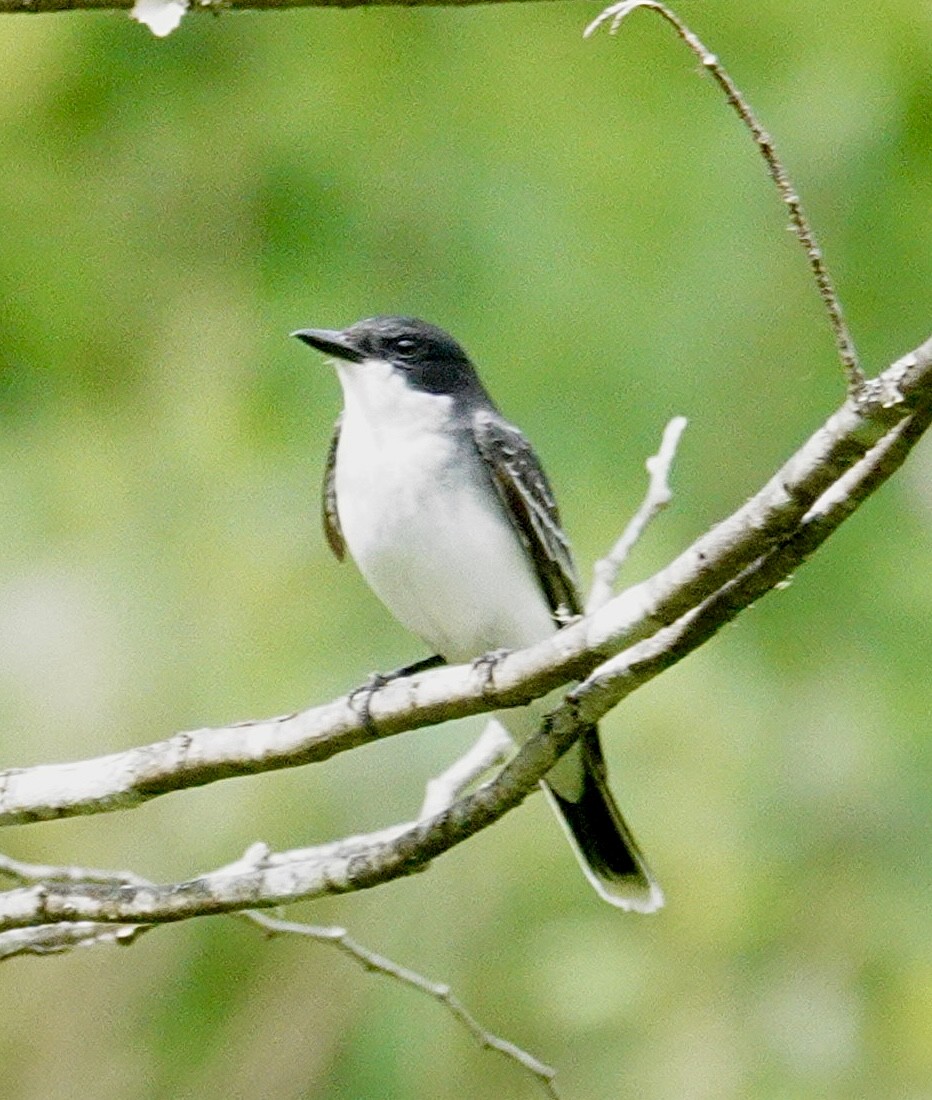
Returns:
(658,496)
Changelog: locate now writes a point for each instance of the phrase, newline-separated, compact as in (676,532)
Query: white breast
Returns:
(415,516)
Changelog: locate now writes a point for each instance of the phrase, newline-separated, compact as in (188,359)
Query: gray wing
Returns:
(528,499)
(329,512)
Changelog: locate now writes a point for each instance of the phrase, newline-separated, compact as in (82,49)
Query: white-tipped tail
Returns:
(607,852)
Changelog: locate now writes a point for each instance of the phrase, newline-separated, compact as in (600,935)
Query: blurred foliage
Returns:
(591,221)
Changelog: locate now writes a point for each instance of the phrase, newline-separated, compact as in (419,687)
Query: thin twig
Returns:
(657,497)
(778,173)
(51,939)
(40,872)
(494,746)
(379,964)
(214,7)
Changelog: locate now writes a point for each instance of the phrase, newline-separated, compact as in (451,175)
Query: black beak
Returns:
(330,342)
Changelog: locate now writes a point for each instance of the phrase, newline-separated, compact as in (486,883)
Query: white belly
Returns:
(447,567)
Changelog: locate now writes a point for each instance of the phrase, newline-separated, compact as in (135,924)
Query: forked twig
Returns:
(778,173)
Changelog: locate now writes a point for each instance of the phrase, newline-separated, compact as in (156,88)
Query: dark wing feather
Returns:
(330,515)
(529,503)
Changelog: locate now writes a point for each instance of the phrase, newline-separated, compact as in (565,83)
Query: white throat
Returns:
(378,399)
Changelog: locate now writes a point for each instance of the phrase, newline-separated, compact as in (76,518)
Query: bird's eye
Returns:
(404,346)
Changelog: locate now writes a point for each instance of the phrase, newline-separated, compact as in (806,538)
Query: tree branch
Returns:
(214,7)
(57,938)
(493,747)
(725,571)
(127,779)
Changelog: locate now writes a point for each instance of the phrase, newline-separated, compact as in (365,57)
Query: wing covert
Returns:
(529,502)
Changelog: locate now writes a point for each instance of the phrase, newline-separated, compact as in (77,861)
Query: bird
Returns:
(449,516)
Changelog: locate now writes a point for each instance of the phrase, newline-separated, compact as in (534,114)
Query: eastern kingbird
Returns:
(446,510)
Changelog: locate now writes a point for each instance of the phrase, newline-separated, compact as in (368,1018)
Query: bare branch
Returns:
(626,672)
(214,7)
(127,779)
(379,964)
(657,497)
(615,14)
(853,462)
(493,747)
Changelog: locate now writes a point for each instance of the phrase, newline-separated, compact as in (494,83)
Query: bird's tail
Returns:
(608,853)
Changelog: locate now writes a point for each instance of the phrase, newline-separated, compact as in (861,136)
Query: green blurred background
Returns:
(591,221)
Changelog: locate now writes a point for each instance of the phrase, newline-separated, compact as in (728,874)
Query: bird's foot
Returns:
(484,666)
(360,698)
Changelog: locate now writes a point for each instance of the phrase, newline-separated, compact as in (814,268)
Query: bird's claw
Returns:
(485,666)
(360,698)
